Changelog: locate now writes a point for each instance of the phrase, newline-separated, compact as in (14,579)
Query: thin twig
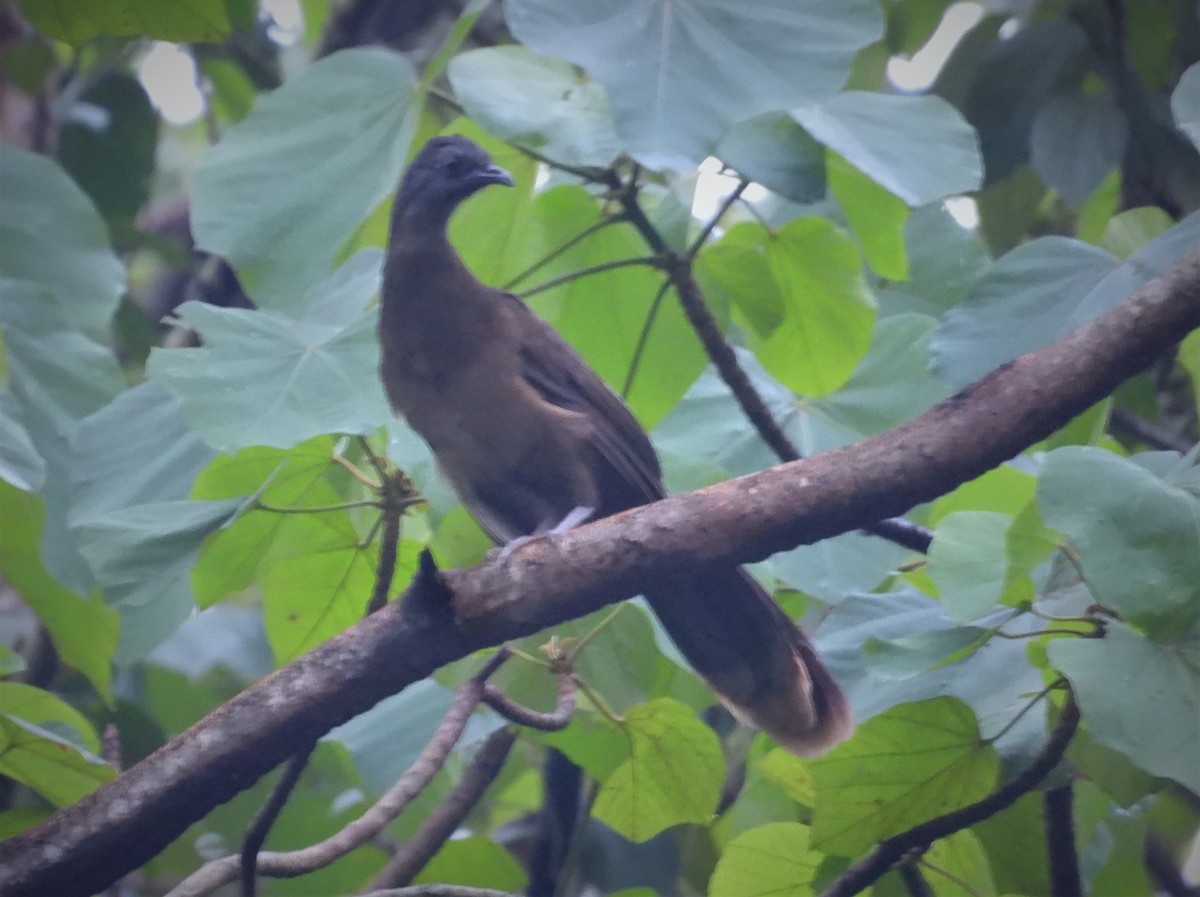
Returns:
(644,337)
(724,207)
(1151,434)
(450,813)
(559,250)
(553,282)
(914,881)
(260,827)
(320,509)
(385,570)
(889,851)
(429,762)
(511,710)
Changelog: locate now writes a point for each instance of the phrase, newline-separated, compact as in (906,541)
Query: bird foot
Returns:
(574,518)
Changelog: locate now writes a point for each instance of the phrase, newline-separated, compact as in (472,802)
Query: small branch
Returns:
(1164,869)
(514,712)
(553,282)
(449,815)
(914,880)
(1151,434)
(891,850)
(559,250)
(429,762)
(726,204)
(1059,816)
(256,835)
(644,337)
(320,509)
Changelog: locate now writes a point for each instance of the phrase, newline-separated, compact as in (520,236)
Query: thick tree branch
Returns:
(82,848)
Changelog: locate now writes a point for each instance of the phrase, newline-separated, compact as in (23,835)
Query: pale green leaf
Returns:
(1139,697)
(285,187)
(78,21)
(773,860)
(700,66)
(673,774)
(918,147)
(902,768)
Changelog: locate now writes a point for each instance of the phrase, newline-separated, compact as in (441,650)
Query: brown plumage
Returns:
(527,433)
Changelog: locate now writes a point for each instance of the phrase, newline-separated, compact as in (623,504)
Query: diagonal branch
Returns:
(84,847)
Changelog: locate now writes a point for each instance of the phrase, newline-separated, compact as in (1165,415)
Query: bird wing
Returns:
(628,473)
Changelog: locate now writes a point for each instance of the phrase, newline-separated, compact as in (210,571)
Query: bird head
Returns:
(445,172)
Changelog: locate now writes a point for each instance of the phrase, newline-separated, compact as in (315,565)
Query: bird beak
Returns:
(494,174)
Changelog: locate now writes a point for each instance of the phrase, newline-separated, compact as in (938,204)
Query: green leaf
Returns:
(52,236)
(673,774)
(78,21)
(10,661)
(1185,103)
(1042,290)
(774,151)
(295,478)
(142,555)
(58,375)
(543,103)
(265,379)
(829,312)
(84,630)
(791,774)
(907,656)
(1132,229)
(773,860)
(670,109)
(284,188)
(1138,697)
(20,463)
(1137,536)
(958,866)
(968,561)
(902,768)
(47,745)
(876,215)
(317,582)
(135,450)
(1077,139)
(917,147)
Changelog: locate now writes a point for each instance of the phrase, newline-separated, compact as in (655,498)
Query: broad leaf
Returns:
(673,773)
(285,187)
(52,236)
(900,769)
(773,860)
(774,151)
(968,562)
(265,379)
(20,463)
(876,215)
(1139,697)
(671,105)
(84,630)
(917,147)
(48,746)
(1077,140)
(1041,291)
(1137,536)
(543,103)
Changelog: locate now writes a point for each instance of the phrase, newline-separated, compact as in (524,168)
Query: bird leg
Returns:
(573,518)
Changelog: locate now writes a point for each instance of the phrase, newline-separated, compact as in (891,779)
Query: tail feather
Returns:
(759,662)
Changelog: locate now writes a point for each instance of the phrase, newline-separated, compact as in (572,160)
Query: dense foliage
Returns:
(191,464)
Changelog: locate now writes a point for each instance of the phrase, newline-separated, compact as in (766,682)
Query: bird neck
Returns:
(433,309)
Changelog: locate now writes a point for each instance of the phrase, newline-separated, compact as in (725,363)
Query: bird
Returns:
(533,442)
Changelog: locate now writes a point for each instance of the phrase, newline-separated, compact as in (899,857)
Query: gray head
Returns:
(445,172)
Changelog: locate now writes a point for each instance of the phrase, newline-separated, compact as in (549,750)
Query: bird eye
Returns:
(456,166)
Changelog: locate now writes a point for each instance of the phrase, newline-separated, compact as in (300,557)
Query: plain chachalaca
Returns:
(533,441)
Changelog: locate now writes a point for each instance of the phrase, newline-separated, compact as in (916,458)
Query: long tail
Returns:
(760,664)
